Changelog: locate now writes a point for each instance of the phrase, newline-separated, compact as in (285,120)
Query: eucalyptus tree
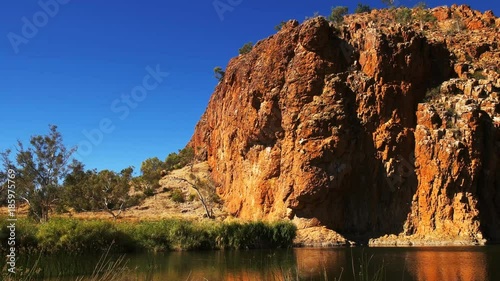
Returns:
(40,169)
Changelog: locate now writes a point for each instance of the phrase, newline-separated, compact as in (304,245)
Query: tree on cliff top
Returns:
(423,15)
(245,49)
(181,159)
(338,13)
(219,73)
(280,25)
(362,9)
(389,3)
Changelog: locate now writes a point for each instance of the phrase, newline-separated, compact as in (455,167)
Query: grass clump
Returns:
(75,237)
(149,192)
(255,235)
(177,196)
(149,236)
(26,231)
(369,272)
(191,197)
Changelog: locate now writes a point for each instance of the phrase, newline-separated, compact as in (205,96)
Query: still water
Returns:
(417,263)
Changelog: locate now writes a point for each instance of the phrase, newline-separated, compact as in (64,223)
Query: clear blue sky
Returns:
(73,70)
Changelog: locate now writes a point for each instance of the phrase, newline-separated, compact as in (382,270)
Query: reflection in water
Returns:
(316,263)
(447,264)
(410,264)
(222,265)
(418,264)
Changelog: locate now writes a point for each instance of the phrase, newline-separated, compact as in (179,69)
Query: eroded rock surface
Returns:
(370,129)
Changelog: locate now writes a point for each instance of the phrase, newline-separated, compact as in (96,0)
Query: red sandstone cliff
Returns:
(336,127)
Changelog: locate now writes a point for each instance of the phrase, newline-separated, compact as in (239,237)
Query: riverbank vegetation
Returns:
(72,236)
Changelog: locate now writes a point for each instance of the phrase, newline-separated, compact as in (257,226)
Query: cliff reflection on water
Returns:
(448,264)
(410,264)
(417,264)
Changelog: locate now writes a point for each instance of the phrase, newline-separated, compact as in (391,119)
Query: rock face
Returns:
(370,128)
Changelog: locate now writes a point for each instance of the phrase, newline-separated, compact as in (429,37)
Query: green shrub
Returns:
(135,200)
(337,14)
(255,235)
(177,196)
(71,236)
(280,26)
(149,236)
(283,234)
(181,159)
(218,73)
(423,15)
(26,230)
(149,192)
(52,235)
(245,49)
(362,9)
(75,237)
(192,197)
(229,235)
(188,236)
(403,15)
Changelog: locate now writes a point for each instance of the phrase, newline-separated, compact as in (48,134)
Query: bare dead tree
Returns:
(196,187)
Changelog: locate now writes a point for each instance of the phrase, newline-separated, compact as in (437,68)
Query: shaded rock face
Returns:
(336,127)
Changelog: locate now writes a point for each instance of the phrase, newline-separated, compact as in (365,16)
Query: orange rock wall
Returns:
(332,126)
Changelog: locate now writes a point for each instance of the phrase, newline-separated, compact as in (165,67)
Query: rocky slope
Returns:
(373,129)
